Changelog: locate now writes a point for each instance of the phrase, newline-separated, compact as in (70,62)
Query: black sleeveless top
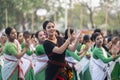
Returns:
(56,61)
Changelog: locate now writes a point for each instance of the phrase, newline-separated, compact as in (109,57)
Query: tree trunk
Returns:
(91,18)
(23,24)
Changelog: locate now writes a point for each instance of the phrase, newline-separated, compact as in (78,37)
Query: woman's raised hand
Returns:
(78,35)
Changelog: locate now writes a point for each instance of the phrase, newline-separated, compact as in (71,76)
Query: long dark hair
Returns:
(8,30)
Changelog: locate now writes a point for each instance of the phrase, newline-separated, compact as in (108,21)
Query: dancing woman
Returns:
(27,64)
(101,59)
(115,65)
(40,60)
(55,49)
(12,54)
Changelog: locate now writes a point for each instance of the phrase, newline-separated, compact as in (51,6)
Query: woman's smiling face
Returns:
(41,36)
(13,34)
(50,29)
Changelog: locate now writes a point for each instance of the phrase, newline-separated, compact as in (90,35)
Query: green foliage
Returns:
(99,18)
(17,10)
(20,11)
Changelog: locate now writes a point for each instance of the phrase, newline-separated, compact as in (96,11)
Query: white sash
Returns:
(81,66)
(40,62)
(10,65)
(100,70)
(71,61)
(27,63)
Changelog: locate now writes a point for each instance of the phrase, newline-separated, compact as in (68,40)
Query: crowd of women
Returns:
(46,55)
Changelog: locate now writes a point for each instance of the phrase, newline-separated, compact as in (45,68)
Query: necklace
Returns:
(53,39)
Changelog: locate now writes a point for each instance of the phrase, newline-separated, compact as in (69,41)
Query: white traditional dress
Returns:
(12,66)
(100,64)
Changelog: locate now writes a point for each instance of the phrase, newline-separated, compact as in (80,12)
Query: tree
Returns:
(18,11)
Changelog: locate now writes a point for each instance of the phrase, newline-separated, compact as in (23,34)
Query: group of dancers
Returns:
(46,55)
